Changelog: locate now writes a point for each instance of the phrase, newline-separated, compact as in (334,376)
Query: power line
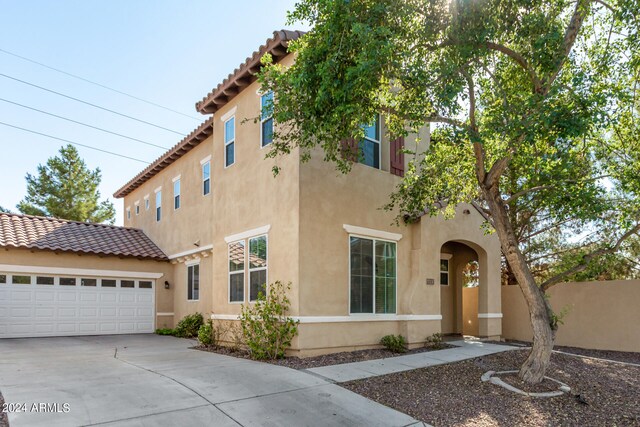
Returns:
(83,124)
(74,143)
(88,103)
(98,84)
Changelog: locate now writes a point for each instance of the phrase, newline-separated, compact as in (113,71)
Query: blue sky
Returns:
(168,52)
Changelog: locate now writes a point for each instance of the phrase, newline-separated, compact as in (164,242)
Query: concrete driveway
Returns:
(150,380)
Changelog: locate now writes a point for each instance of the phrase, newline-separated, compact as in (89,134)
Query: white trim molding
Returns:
(59,271)
(489,315)
(347,319)
(164,314)
(205,160)
(249,233)
(175,178)
(191,254)
(228,114)
(157,190)
(370,232)
(446,256)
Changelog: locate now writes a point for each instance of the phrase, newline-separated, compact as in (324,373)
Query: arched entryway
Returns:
(461,279)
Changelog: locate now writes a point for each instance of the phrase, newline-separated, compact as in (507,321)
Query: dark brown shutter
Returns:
(349,149)
(397,156)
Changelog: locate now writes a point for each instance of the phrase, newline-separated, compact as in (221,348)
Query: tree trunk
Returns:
(534,368)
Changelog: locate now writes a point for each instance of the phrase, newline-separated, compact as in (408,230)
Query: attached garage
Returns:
(63,278)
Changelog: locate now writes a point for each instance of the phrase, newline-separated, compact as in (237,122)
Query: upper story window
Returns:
(229,142)
(137,208)
(176,193)
(369,147)
(372,275)
(146,202)
(129,214)
(193,282)
(158,205)
(266,119)
(206,178)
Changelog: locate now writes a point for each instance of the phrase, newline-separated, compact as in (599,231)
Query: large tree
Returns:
(532,104)
(66,188)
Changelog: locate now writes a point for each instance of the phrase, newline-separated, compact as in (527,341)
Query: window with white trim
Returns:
(257,267)
(158,206)
(372,276)
(176,194)
(3,278)
(236,271)
(444,272)
(128,214)
(137,208)
(266,119)
(229,142)
(369,147)
(206,178)
(146,203)
(193,282)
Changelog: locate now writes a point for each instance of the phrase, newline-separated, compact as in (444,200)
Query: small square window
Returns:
(44,280)
(88,282)
(127,284)
(108,283)
(21,280)
(206,178)
(3,278)
(67,281)
(145,284)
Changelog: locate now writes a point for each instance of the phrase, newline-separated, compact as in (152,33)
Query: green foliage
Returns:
(394,343)
(266,328)
(66,188)
(3,210)
(434,341)
(189,326)
(207,334)
(165,331)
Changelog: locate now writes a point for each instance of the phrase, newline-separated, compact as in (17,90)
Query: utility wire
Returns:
(97,84)
(88,103)
(75,143)
(83,124)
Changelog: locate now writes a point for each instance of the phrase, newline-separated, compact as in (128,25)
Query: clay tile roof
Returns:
(192,140)
(245,74)
(35,232)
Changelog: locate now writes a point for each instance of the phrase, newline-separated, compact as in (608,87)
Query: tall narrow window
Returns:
(146,203)
(206,178)
(444,272)
(257,267)
(137,208)
(373,276)
(266,119)
(176,194)
(128,214)
(229,141)
(193,282)
(236,271)
(158,206)
(369,147)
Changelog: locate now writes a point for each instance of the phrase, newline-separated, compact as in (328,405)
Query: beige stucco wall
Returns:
(470,311)
(164,297)
(601,315)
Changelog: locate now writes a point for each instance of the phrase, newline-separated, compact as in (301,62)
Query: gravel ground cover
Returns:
(620,356)
(603,393)
(327,359)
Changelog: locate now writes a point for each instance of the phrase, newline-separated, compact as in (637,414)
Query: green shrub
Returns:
(266,328)
(394,343)
(189,326)
(165,331)
(208,334)
(434,341)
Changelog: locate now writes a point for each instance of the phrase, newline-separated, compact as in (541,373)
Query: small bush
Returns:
(434,341)
(207,334)
(394,343)
(189,326)
(266,328)
(165,331)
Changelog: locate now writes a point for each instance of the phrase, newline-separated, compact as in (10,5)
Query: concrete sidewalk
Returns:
(465,349)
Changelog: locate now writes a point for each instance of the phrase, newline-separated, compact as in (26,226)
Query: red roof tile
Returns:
(34,232)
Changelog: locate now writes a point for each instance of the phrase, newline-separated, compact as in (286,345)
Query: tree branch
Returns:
(528,190)
(588,258)
(519,59)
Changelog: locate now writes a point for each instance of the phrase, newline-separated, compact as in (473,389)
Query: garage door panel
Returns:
(56,310)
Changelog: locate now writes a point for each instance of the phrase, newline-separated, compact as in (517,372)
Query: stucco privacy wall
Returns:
(164,297)
(602,315)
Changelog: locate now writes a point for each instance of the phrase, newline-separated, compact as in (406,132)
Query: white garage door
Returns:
(41,305)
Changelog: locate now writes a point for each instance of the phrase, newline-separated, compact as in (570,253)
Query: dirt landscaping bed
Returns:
(327,359)
(619,356)
(452,394)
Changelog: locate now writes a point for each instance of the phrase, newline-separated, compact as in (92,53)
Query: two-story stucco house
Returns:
(228,227)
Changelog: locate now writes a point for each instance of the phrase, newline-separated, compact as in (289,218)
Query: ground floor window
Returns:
(193,282)
(444,272)
(372,276)
(255,261)
(236,271)
(257,267)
